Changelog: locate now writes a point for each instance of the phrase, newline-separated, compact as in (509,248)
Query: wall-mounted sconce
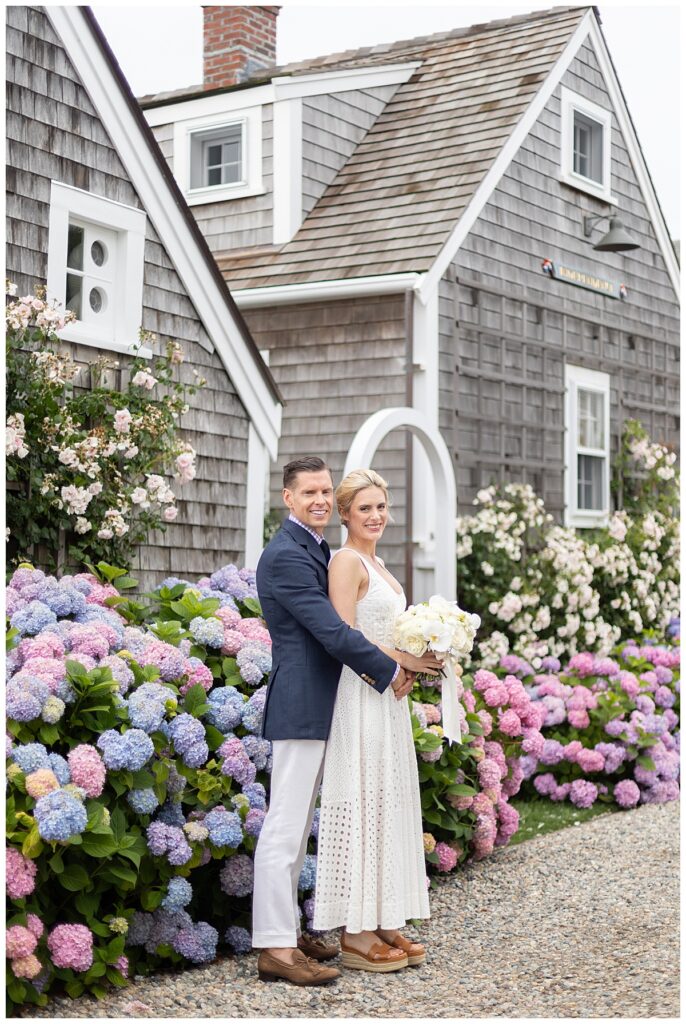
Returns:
(617,238)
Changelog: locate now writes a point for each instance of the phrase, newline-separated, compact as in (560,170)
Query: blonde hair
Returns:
(353,483)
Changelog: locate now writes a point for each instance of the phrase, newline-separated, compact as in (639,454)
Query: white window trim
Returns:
(130,224)
(570,102)
(589,380)
(251,185)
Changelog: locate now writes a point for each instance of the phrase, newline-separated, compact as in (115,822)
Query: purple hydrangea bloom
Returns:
(664,697)
(582,793)
(552,753)
(198,943)
(168,839)
(254,661)
(614,754)
(615,727)
(176,783)
(140,925)
(226,707)
(171,813)
(238,938)
(528,764)
(230,581)
(236,877)
(253,822)
(25,698)
(236,762)
(550,664)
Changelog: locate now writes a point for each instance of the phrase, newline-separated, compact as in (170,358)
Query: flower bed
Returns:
(611,726)
(137,775)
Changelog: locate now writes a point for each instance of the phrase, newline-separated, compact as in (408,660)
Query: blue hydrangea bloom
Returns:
(33,618)
(171,814)
(188,736)
(179,894)
(176,783)
(130,751)
(226,707)
(196,755)
(308,875)
(258,750)
(314,829)
(60,815)
(238,938)
(224,827)
(229,580)
(142,801)
(31,757)
(60,768)
(207,631)
(253,711)
(256,794)
(146,706)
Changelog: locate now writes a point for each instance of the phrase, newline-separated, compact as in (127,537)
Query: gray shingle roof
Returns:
(392,206)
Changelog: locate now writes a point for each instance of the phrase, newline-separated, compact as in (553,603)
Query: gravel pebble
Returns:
(583,922)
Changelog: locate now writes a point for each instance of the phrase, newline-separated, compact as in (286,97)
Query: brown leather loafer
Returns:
(380,958)
(302,971)
(416,953)
(316,949)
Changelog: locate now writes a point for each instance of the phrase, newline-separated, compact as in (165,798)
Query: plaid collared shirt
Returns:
(309,529)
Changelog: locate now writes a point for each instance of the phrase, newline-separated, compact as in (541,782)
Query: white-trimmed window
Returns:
(585,157)
(587,448)
(217,159)
(95,267)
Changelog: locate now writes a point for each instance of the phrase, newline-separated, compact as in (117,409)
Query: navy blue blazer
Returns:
(310,641)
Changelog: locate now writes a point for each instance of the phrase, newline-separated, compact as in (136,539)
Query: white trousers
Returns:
(296,776)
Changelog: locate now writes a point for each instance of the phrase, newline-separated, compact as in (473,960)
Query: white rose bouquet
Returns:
(443,627)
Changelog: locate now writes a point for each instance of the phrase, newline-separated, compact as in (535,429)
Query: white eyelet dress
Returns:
(370,863)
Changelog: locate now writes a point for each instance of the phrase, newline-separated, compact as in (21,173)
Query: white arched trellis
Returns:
(361,454)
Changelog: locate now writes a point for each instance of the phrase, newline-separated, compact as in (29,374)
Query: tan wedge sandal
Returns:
(415,952)
(380,959)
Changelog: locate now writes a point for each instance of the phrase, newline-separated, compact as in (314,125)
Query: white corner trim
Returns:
(636,155)
(288,135)
(255,498)
(504,158)
(425,348)
(342,81)
(343,288)
(175,234)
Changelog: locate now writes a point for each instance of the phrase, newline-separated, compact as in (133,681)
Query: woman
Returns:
(370,873)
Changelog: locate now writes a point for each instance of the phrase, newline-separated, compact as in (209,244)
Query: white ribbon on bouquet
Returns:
(450,703)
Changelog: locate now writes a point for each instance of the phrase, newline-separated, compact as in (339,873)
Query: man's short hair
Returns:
(308,464)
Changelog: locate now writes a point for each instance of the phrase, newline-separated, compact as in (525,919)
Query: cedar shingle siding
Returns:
(53,132)
(512,329)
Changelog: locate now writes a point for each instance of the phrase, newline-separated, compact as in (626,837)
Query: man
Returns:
(310,642)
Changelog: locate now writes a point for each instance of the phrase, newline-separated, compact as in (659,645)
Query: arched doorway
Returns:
(438,574)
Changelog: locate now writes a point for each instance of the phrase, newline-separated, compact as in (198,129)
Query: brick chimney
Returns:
(237,42)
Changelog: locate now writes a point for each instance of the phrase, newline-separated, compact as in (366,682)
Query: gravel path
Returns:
(583,922)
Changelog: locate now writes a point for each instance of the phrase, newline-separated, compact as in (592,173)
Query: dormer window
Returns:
(585,156)
(217,156)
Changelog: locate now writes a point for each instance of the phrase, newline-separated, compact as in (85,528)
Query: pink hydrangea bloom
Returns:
(197,674)
(87,769)
(578,717)
(495,751)
(90,640)
(571,750)
(590,760)
(34,925)
(229,616)
(469,701)
(71,945)
(629,683)
(489,773)
(583,664)
(254,630)
(45,645)
(533,741)
(233,642)
(561,792)
(582,793)
(433,714)
(545,783)
(20,874)
(122,965)
(100,592)
(460,803)
(627,793)
(510,723)
(447,857)
(483,679)
(19,941)
(496,695)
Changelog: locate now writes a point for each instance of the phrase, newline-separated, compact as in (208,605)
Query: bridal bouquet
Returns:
(443,627)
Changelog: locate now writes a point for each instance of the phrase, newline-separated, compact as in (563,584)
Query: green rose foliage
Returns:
(88,445)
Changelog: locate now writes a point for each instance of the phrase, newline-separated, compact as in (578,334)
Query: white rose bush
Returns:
(87,461)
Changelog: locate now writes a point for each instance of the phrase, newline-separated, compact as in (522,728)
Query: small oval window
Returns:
(97,300)
(98,254)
